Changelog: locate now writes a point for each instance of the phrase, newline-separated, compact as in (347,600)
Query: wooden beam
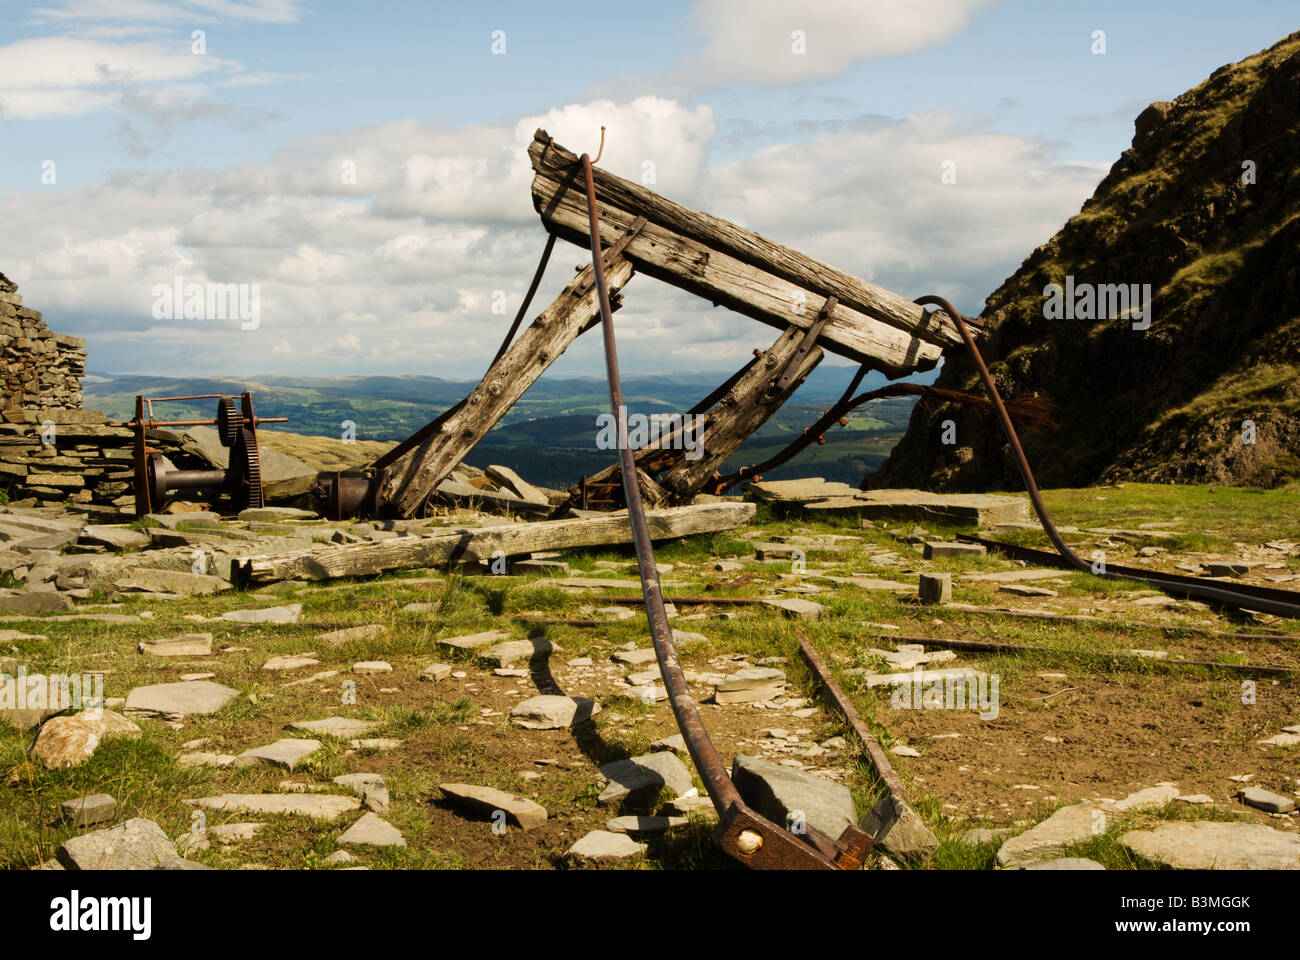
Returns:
(727,281)
(745,408)
(417,473)
(478,543)
(554,164)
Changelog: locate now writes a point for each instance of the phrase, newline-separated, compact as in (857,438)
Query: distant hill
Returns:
(549,435)
(1222,258)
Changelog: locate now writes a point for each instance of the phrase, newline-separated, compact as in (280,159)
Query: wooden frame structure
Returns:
(816,307)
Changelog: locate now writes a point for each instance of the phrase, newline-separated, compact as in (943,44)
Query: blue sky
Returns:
(221,168)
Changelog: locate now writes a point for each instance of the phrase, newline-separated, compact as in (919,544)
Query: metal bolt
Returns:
(749,842)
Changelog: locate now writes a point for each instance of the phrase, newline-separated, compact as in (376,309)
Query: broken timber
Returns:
(750,398)
(415,475)
(478,543)
(739,269)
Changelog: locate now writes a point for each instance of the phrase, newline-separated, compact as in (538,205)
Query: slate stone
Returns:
(34,602)
(1047,840)
(341,727)
(138,844)
(934,588)
(474,640)
(372,831)
(114,538)
(933,550)
(1211,845)
(485,801)
(290,613)
(287,752)
(180,699)
(180,582)
(604,845)
(317,805)
(550,712)
(778,792)
(752,684)
(637,778)
(796,607)
(1263,799)
(366,631)
(88,811)
(1065,863)
(186,645)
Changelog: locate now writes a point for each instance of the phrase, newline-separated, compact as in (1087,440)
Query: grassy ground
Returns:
(1079,719)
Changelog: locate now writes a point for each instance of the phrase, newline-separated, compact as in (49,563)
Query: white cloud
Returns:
(69,75)
(396,273)
(759,41)
(188,11)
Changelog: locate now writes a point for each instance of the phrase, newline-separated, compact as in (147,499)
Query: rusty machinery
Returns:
(236,423)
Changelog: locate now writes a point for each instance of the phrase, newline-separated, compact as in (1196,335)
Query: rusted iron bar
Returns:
(1174,583)
(685,601)
(741,833)
(1100,622)
(1191,587)
(875,752)
(997,646)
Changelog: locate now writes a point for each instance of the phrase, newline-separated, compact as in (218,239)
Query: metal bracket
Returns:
(805,346)
(611,253)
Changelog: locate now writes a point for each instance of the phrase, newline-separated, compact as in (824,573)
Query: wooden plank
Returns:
(727,281)
(477,543)
(415,475)
(552,161)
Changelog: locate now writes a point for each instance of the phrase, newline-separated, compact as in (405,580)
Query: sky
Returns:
(359,171)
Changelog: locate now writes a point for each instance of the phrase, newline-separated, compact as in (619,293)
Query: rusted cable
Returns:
(1033,411)
(1166,583)
(528,298)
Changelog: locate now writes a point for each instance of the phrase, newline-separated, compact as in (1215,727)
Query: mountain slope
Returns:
(1222,258)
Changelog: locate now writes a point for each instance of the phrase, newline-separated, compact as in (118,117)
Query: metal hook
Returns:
(602,145)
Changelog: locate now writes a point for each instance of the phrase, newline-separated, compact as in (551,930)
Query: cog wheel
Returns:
(246,465)
(229,421)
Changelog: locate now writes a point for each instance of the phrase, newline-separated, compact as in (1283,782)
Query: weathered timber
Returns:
(477,543)
(415,475)
(695,233)
(743,408)
(726,281)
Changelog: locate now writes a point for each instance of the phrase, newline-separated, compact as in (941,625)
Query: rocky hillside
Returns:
(1205,208)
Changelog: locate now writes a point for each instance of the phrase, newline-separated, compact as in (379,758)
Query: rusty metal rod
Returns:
(1177,582)
(741,832)
(1165,582)
(875,752)
(1102,622)
(707,762)
(997,646)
